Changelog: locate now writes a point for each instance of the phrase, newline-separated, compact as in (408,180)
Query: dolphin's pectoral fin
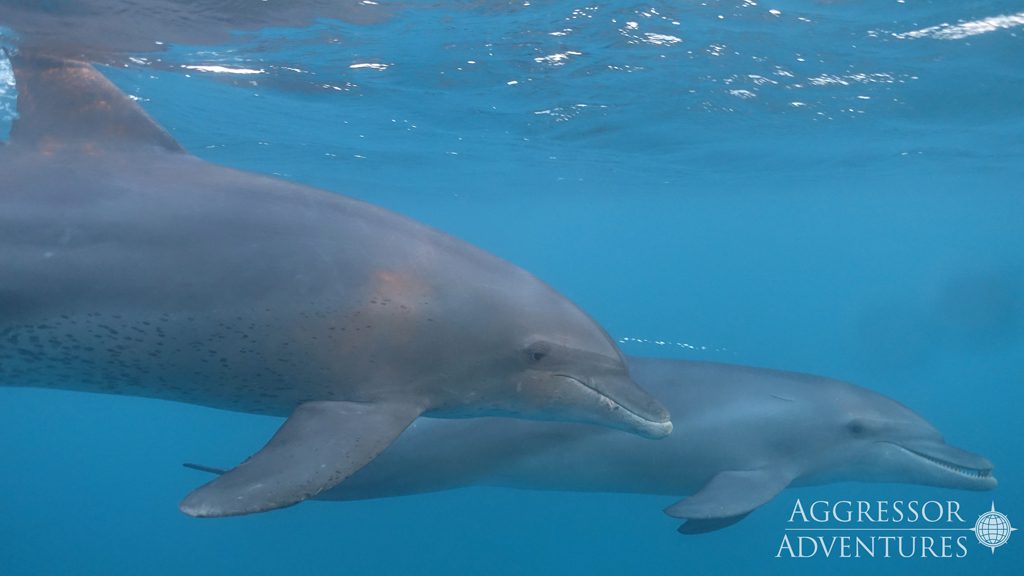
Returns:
(696,526)
(731,493)
(320,444)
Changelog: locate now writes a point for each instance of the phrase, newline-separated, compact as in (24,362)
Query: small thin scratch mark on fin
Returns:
(783,398)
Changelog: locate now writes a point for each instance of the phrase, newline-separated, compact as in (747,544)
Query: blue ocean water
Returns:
(829,187)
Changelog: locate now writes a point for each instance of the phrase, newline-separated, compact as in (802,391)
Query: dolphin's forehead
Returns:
(498,297)
(544,314)
(865,403)
(850,411)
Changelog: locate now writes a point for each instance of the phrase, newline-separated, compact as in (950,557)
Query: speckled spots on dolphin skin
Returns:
(118,355)
(145,355)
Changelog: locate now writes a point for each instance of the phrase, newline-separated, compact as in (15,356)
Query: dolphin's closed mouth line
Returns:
(612,400)
(962,470)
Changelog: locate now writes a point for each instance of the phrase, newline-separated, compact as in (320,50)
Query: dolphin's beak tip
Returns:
(655,430)
(190,507)
(668,427)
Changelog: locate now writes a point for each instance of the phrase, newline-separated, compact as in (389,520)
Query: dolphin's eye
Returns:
(538,351)
(857,427)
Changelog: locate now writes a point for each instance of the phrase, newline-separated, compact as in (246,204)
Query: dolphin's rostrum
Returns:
(131,267)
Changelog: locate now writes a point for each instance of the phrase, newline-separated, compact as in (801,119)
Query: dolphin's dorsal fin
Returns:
(64,103)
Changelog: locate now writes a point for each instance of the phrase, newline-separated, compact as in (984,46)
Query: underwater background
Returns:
(829,187)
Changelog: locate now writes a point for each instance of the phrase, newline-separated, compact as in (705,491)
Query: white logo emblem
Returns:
(993,529)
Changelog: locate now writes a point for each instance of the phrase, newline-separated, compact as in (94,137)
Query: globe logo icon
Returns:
(993,529)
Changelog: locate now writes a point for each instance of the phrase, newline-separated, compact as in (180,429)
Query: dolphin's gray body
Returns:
(128,266)
(742,435)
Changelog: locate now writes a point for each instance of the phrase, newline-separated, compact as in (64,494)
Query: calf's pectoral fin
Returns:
(696,526)
(731,494)
(320,444)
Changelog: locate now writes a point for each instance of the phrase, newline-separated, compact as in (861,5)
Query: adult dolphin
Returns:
(130,267)
(742,435)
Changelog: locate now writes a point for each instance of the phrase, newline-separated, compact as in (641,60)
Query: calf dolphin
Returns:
(742,435)
(128,266)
